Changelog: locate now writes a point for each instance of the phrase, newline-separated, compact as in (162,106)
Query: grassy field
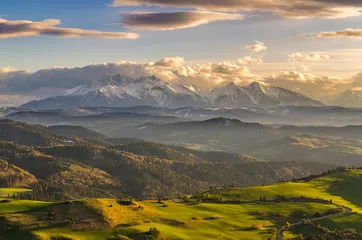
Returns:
(249,220)
(340,187)
(105,218)
(22,206)
(5,192)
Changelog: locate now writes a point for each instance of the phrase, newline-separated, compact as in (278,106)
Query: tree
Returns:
(286,226)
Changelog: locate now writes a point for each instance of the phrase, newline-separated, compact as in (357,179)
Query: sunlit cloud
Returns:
(257,47)
(285,8)
(176,70)
(24,28)
(174,20)
(250,60)
(347,33)
(316,86)
(298,56)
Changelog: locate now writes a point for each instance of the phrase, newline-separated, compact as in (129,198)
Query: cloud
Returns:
(249,60)
(257,47)
(347,33)
(304,57)
(285,8)
(15,100)
(173,70)
(318,87)
(170,62)
(176,70)
(23,28)
(174,20)
(6,72)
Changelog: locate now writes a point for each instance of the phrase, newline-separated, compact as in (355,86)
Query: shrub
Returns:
(154,232)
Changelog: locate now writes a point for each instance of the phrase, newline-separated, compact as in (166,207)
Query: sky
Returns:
(311,46)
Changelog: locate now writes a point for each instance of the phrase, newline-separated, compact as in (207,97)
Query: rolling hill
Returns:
(223,213)
(72,167)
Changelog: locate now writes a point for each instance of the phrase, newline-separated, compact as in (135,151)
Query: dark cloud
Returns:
(174,20)
(23,28)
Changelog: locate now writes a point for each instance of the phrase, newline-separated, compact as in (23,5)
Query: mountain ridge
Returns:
(122,91)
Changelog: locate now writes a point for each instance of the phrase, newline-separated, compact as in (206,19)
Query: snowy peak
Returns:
(113,90)
(122,91)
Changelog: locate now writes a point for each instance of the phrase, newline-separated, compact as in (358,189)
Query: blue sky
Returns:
(217,41)
(329,60)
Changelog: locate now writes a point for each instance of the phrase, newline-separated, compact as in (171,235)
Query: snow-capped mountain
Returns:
(349,98)
(121,91)
(259,94)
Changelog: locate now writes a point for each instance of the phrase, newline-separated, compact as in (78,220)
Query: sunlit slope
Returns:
(105,218)
(341,187)
(5,192)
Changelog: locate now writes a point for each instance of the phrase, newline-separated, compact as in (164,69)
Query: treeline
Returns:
(323,174)
(48,192)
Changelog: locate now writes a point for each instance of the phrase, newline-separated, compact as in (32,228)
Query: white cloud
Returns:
(170,62)
(257,47)
(302,57)
(206,75)
(249,60)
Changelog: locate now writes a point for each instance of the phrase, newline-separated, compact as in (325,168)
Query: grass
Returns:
(5,192)
(343,222)
(104,218)
(340,187)
(347,221)
(68,232)
(15,206)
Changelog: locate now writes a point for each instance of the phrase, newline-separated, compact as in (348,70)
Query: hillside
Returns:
(105,219)
(338,186)
(26,134)
(13,176)
(252,213)
(71,167)
(312,148)
(75,131)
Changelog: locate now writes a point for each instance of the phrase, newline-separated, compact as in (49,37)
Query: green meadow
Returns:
(239,215)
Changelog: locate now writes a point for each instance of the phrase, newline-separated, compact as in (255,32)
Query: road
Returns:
(280,230)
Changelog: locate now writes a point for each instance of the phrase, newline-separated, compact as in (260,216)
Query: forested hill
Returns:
(58,166)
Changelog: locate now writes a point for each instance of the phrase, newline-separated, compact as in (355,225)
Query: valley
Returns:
(70,182)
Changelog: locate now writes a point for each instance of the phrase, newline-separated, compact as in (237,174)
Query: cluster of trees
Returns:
(13,176)
(326,234)
(325,173)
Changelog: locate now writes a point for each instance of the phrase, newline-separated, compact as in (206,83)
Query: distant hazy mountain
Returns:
(121,91)
(259,94)
(349,98)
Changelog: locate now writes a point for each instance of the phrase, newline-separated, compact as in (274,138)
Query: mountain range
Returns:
(121,91)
